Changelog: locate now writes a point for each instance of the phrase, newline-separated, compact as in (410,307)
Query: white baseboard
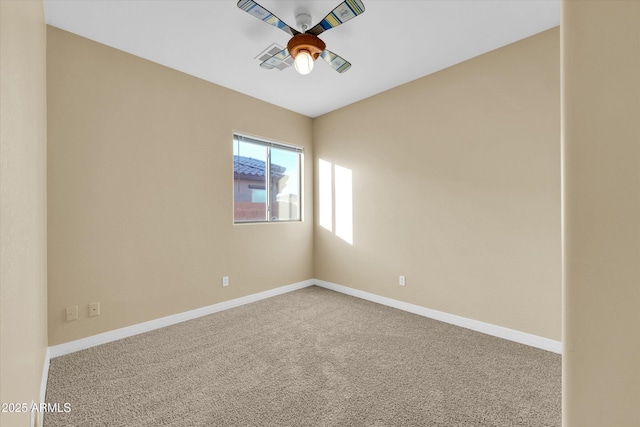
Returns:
(35,419)
(106,337)
(475,325)
(45,375)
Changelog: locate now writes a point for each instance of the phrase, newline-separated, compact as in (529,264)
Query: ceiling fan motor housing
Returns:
(303,20)
(308,42)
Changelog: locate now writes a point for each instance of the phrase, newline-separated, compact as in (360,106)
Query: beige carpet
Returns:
(312,357)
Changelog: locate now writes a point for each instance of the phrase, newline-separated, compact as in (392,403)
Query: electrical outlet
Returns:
(94,309)
(72,313)
(402,281)
(225,280)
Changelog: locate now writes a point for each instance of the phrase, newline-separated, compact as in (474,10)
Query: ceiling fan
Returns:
(305,47)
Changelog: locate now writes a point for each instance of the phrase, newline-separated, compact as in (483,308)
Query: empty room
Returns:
(320,213)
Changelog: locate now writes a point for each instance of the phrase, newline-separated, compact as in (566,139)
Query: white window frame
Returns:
(269,144)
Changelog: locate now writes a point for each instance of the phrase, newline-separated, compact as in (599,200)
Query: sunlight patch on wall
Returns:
(325,194)
(335,194)
(344,203)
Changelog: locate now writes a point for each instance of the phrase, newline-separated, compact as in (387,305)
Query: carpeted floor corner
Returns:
(312,357)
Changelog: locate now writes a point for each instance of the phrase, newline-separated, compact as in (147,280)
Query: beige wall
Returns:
(601,141)
(140,191)
(447,205)
(23,204)
(456,184)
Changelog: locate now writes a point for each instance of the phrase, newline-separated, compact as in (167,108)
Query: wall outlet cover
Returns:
(72,313)
(94,309)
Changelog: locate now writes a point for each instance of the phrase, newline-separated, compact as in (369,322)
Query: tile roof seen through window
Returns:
(248,166)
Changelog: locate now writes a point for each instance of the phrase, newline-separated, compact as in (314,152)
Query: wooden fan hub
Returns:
(308,42)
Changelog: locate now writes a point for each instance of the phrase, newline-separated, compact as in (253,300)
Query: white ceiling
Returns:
(391,43)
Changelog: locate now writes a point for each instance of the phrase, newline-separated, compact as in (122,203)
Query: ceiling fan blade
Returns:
(345,11)
(276,60)
(337,62)
(253,8)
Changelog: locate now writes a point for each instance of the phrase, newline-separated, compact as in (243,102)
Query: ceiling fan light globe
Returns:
(303,62)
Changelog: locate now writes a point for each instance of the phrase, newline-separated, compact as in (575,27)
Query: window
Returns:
(256,198)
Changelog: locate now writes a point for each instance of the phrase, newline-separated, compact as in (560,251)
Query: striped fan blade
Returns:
(345,11)
(276,60)
(263,14)
(337,62)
